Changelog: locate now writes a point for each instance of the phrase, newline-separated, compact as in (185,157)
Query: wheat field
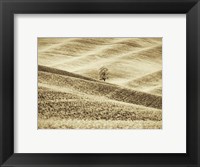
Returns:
(73,95)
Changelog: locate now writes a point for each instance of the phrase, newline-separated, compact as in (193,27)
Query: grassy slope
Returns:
(53,123)
(69,97)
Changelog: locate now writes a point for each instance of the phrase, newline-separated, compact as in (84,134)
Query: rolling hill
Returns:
(66,96)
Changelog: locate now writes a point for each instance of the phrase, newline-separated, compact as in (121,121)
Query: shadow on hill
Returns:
(61,72)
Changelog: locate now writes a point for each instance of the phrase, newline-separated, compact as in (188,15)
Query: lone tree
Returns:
(103,73)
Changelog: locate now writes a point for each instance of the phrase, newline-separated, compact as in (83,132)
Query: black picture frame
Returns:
(10,7)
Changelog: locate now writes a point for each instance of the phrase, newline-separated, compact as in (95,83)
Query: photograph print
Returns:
(99,83)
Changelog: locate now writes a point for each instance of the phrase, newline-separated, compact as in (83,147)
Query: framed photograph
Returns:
(99,83)
(88,83)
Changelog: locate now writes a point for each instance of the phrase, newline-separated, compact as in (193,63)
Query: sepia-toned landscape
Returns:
(99,83)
